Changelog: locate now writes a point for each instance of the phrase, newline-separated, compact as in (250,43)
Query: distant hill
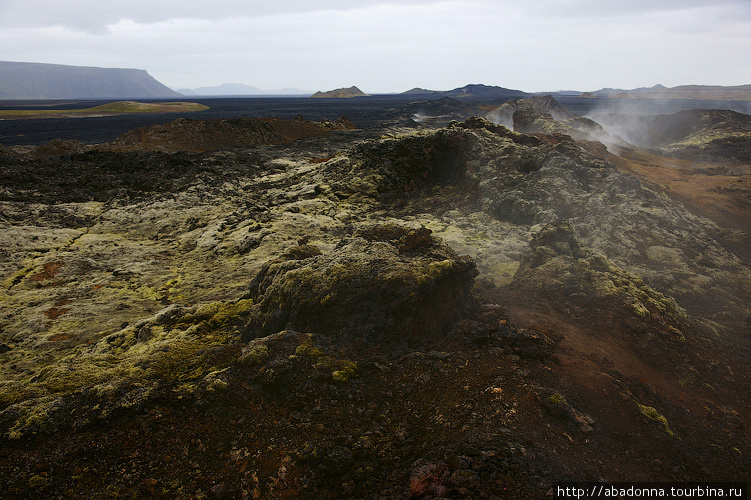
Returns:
(20,80)
(348,92)
(419,91)
(240,89)
(472,92)
(708,92)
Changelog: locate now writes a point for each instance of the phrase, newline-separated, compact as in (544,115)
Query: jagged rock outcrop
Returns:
(434,112)
(528,121)
(503,114)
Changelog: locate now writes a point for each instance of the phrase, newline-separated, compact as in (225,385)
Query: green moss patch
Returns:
(652,414)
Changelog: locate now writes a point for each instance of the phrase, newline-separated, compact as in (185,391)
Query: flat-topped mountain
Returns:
(55,81)
(348,92)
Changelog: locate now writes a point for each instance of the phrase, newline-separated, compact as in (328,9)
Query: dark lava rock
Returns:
(389,283)
(417,161)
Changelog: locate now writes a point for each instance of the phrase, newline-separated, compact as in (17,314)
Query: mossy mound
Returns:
(560,267)
(176,348)
(386,282)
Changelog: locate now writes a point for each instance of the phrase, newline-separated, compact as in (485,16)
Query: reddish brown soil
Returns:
(50,270)
(600,369)
(719,192)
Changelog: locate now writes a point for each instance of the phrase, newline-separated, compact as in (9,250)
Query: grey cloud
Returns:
(615,8)
(93,16)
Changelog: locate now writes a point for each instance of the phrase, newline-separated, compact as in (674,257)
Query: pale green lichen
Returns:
(173,345)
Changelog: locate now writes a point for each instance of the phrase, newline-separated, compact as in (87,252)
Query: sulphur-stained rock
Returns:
(394,284)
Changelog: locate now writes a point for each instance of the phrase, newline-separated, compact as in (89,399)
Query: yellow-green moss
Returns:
(37,482)
(306,348)
(652,414)
(437,269)
(231,313)
(17,277)
(346,371)
(15,391)
(556,398)
(174,350)
(216,315)
(33,414)
(640,310)
(255,355)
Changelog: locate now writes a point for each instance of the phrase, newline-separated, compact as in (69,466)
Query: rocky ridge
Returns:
(406,311)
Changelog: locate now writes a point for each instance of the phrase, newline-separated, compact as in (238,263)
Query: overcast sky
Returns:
(382,46)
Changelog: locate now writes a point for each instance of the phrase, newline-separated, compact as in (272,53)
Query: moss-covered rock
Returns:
(389,283)
(560,264)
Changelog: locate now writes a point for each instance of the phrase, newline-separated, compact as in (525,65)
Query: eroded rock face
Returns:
(387,283)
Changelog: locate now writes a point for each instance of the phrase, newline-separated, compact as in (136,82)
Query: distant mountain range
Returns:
(241,89)
(708,92)
(472,92)
(19,80)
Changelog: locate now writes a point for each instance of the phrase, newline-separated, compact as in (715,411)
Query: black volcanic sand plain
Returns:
(419,306)
(365,112)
